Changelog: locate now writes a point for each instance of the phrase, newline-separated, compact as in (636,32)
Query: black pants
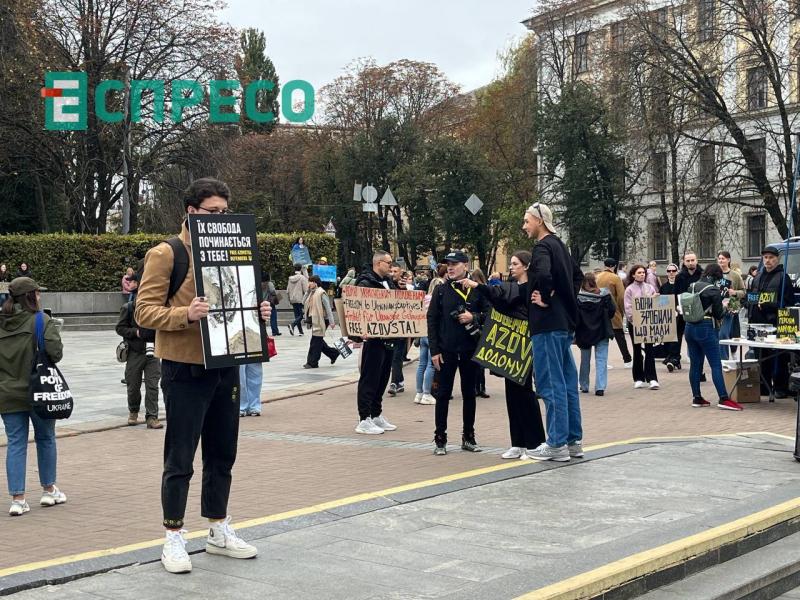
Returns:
(468,370)
(138,365)
(524,415)
(622,344)
(298,316)
(775,369)
(317,348)
(644,369)
(480,380)
(203,404)
(397,361)
(376,366)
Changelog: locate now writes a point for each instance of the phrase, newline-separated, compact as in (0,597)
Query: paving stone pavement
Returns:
(497,540)
(303,452)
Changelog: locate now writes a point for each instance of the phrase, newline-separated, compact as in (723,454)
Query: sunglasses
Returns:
(672,270)
(535,206)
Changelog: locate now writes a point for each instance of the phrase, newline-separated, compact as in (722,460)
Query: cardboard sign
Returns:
(505,347)
(227,272)
(654,320)
(788,322)
(301,256)
(381,313)
(4,287)
(325,272)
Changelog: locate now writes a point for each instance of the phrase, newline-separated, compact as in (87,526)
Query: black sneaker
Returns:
(700,402)
(441,445)
(599,393)
(469,444)
(334,359)
(670,367)
(483,394)
(291,329)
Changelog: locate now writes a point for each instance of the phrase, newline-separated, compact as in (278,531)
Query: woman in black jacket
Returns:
(524,415)
(702,340)
(593,330)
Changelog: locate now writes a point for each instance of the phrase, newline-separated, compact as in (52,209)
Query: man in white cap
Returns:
(554,280)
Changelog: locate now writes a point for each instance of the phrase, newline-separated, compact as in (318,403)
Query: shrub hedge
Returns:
(96,263)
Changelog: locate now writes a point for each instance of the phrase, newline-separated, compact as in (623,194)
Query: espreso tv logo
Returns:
(65,100)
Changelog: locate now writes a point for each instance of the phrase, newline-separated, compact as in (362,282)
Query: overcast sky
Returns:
(315,39)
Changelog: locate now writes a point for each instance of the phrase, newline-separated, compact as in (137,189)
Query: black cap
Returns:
(610,262)
(771,250)
(456,256)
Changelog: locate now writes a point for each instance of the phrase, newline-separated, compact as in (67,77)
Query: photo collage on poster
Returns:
(233,319)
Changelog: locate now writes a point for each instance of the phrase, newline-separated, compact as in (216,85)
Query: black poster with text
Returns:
(228,273)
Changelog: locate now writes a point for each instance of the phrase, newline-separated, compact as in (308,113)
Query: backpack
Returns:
(692,306)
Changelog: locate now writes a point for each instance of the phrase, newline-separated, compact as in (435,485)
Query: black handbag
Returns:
(49,395)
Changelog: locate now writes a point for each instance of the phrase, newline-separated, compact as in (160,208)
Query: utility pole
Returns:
(126,148)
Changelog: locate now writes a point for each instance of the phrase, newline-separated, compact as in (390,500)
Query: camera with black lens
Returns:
(149,349)
(471,327)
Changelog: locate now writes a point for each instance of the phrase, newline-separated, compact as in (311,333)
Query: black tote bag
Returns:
(49,396)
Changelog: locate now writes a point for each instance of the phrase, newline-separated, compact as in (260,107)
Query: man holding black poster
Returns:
(199,402)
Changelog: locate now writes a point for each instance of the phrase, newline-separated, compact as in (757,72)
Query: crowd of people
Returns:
(545,288)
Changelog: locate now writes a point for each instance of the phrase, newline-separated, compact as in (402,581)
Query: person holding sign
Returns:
(772,289)
(455,316)
(644,369)
(376,355)
(702,339)
(200,402)
(524,416)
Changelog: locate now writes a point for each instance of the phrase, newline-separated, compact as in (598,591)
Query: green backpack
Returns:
(692,306)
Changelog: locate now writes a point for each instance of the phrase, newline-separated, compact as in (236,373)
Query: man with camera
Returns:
(200,403)
(455,316)
(141,361)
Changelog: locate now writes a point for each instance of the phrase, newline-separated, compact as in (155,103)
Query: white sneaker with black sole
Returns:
(18,507)
(174,556)
(368,427)
(222,540)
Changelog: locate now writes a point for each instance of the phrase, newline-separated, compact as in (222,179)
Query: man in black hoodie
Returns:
(455,316)
(772,289)
(690,273)
(554,280)
(376,355)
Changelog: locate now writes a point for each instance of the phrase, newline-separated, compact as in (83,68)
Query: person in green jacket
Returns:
(17,327)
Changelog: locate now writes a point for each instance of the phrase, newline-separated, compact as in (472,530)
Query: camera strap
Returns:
(464,294)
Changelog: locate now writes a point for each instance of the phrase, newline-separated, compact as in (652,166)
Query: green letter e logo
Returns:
(64,101)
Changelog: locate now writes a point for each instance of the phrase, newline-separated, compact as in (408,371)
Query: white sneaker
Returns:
(654,385)
(18,507)
(513,452)
(417,398)
(174,556)
(639,385)
(222,539)
(53,498)
(427,399)
(368,427)
(609,367)
(627,365)
(383,424)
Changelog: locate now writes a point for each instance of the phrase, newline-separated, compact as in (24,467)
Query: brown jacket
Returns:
(615,287)
(176,338)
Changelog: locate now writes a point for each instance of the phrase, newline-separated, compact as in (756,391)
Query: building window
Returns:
(706,167)
(581,60)
(658,171)
(659,236)
(618,36)
(759,147)
(756,234)
(706,16)
(706,236)
(756,88)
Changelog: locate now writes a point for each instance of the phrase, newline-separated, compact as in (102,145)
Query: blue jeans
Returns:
(729,328)
(702,341)
(298,316)
(273,321)
(250,376)
(557,384)
(44,434)
(600,367)
(425,370)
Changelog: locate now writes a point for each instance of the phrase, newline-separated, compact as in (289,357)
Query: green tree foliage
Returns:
(96,263)
(584,159)
(252,64)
